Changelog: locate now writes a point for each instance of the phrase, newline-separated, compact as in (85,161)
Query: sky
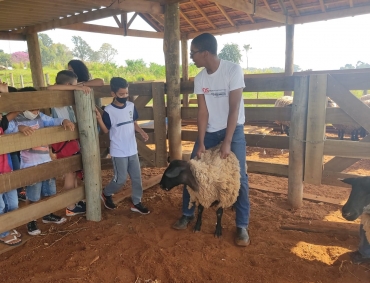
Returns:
(325,45)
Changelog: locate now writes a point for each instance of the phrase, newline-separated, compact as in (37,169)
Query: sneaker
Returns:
(22,195)
(78,209)
(108,201)
(183,222)
(139,208)
(32,228)
(52,218)
(242,237)
(357,258)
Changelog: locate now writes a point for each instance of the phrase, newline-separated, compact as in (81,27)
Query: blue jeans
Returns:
(364,247)
(8,202)
(238,146)
(44,188)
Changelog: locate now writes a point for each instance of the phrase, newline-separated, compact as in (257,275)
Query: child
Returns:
(67,80)
(119,119)
(8,200)
(26,123)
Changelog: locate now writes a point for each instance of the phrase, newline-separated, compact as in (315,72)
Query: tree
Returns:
(45,39)
(95,56)
(362,65)
(81,50)
(135,67)
(4,58)
(63,53)
(247,47)
(107,53)
(347,66)
(231,52)
(296,68)
(20,57)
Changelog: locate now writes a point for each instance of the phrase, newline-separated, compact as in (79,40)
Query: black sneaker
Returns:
(108,201)
(139,208)
(32,228)
(22,195)
(52,218)
(78,209)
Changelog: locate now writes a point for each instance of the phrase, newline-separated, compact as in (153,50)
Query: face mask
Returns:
(121,99)
(29,115)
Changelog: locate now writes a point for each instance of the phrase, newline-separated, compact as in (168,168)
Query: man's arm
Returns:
(202,122)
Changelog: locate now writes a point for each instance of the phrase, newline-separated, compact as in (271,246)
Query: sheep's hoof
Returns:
(196,231)
(218,234)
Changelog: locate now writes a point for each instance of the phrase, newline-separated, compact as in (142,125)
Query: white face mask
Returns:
(29,115)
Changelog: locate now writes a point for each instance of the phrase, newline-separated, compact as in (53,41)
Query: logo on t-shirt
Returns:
(205,90)
(131,117)
(218,93)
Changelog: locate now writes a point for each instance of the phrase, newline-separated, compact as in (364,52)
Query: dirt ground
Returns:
(128,247)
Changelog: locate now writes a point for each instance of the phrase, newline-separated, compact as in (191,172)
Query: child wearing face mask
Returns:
(119,119)
(27,122)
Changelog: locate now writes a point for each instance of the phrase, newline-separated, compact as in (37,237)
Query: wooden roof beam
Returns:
(262,12)
(113,30)
(351,3)
(225,14)
(188,20)
(322,6)
(119,24)
(203,14)
(83,17)
(159,19)
(6,35)
(294,7)
(151,22)
(131,20)
(267,4)
(149,7)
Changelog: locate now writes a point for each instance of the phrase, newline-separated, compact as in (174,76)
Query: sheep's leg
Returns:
(218,232)
(199,219)
(341,134)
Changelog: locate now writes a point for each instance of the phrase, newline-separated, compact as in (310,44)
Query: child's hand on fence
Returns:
(27,131)
(68,125)
(84,88)
(3,87)
(98,115)
(144,135)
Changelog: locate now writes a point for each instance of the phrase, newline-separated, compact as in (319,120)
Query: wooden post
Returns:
(159,113)
(11,79)
(21,79)
(185,67)
(296,142)
(89,140)
(289,53)
(47,79)
(35,60)
(171,48)
(316,129)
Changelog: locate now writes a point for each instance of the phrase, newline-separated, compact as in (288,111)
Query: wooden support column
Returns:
(35,60)
(171,48)
(89,140)
(316,129)
(289,53)
(296,142)
(185,67)
(159,113)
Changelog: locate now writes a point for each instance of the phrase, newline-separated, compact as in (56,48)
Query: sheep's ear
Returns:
(348,180)
(174,172)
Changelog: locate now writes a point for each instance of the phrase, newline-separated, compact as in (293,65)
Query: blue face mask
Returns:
(121,99)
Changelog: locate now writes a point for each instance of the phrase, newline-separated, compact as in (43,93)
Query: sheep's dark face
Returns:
(174,175)
(358,199)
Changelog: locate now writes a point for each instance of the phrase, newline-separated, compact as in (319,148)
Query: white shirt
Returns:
(216,88)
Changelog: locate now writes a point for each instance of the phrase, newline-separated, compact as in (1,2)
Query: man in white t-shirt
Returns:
(219,88)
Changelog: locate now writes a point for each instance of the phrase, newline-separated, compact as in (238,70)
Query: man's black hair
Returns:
(27,88)
(205,42)
(116,83)
(12,89)
(65,77)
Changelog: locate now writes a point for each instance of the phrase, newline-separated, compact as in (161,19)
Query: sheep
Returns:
(358,202)
(287,101)
(210,181)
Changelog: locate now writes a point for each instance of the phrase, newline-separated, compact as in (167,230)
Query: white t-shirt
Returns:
(216,88)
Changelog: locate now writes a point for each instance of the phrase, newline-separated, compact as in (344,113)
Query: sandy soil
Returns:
(128,247)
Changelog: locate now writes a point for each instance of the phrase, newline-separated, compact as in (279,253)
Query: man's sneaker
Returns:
(139,208)
(32,228)
(52,218)
(108,201)
(78,209)
(183,222)
(22,195)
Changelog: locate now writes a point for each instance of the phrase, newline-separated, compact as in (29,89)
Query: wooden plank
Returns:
(338,164)
(159,113)
(351,149)
(226,14)
(338,116)
(267,168)
(188,21)
(6,35)
(141,101)
(316,129)
(33,211)
(296,145)
(289,50)
(104,140)
(146,153)
(202,13)
(28,176)
(44,136)
(334,178)
(135,89)
(21,101)
(354,107)
(88,133)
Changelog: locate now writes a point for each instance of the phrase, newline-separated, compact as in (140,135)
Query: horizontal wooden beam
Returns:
(35,174)
(113,30)
(135,89)
(351,149)
(44,136)
(333,178)
(267,168)
(104,140)
(259,11)
(6,35)
(20,101)
(33,211)
(338,116)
